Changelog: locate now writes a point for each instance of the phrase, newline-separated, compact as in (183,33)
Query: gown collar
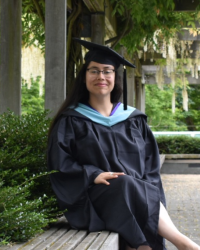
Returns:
(119,115)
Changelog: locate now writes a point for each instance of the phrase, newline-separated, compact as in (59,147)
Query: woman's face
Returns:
(100,83)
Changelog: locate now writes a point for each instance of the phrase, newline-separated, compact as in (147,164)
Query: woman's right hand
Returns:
(103,177)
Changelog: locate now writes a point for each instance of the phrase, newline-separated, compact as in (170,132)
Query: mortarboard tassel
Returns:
(125,89)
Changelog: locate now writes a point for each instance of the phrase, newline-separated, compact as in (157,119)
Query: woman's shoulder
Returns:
(70,112)
(136,113)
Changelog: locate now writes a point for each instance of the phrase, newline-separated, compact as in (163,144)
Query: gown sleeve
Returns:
(72,180)
(152,159)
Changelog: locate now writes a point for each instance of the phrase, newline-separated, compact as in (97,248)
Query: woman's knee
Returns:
(122,181)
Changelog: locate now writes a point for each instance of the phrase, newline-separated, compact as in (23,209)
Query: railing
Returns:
(171,133)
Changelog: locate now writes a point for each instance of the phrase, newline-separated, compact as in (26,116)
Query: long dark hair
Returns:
(80,94)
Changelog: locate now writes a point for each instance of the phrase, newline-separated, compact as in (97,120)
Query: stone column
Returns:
(55,54)
(10,55)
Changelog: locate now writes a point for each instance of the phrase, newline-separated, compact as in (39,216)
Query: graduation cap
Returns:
(105,55)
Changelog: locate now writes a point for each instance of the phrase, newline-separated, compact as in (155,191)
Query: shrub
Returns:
(21,218)
(179,144)
(27,201)
(23,142)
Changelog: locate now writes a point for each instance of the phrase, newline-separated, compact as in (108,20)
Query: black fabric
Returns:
(81,149)
(125,89)
(126,211)
(101,53)
(103,58)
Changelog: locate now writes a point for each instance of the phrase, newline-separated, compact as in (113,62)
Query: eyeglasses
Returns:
(105,72)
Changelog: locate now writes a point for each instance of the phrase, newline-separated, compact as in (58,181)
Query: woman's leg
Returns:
(167,230)
(130,248)
(140,248)
(144,248)
(122,219)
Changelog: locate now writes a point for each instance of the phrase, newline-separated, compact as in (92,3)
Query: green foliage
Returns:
(23,142)
(148,16)
(139,19)
(194,106)
(178,144)
(21,218)
(33,30)
(159,110)
(192,117)
(26,196)
(31,99)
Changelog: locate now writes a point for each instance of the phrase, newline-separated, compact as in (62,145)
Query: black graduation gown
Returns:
(80,149)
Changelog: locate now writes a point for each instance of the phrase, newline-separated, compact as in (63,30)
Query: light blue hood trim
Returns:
(119,115)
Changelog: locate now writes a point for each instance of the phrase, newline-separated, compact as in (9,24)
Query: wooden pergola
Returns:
(103,24)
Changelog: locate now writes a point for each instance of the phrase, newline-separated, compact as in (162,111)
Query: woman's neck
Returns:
(104,106)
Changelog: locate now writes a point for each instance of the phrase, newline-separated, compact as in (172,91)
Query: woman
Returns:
(108,161)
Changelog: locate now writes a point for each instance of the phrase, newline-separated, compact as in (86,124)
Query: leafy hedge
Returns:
(20,216)
(179,144)
(27,202)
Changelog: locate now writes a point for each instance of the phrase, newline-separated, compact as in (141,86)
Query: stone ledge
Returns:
(182,156)
(162,160)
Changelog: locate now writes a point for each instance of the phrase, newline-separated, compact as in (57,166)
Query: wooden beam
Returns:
(150,79)
(186,35)
(148,59)
(186,5)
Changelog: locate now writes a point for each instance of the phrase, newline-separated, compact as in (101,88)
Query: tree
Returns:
(31,98)
(194,106)
(192,117)
(159,112)
(33,23)
(138,21)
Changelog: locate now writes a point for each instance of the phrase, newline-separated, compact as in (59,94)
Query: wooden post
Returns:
(130,72)
(10,55)
(139,89)
(98,27)
(121,72)
(131,86)
(55,57)
(140,95)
